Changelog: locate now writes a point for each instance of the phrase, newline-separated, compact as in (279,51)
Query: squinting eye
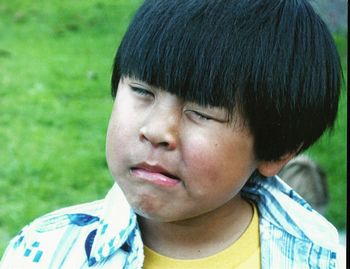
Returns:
(201,116)
(141,91)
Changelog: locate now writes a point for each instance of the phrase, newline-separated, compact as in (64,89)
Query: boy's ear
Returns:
(271,168)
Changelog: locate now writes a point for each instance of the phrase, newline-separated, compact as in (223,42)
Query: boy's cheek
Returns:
(119,131)
(116,144)
(200,150)
(218,160)
(200,159)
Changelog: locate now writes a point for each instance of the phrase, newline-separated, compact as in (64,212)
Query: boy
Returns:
(212,98)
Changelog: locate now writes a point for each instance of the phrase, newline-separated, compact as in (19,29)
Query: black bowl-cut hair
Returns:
(273,61)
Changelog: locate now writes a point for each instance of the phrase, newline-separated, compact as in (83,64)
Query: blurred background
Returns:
(55,67)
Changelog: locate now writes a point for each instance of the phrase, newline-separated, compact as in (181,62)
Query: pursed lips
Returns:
(155,174)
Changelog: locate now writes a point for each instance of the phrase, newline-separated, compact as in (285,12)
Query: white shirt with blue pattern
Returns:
(105,233)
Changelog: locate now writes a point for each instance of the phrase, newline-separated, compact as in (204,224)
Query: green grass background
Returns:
(55,67)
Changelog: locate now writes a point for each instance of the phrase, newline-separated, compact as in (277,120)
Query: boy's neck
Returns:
(201,236)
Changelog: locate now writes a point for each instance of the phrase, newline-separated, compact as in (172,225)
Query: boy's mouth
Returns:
(155,174)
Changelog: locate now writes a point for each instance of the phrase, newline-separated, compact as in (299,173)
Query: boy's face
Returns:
(175,160)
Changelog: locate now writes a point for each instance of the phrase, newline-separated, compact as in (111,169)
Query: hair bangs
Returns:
(184,54)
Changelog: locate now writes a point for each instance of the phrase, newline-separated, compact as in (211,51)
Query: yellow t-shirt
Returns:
(242,254)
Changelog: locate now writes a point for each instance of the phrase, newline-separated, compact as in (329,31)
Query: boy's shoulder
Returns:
(283,208)
(79,214)
(77,236)
(41,241)
(289,228)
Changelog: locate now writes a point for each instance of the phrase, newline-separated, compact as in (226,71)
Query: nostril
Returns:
(163,144)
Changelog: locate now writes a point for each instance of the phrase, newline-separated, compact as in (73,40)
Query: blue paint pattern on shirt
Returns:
(82,219)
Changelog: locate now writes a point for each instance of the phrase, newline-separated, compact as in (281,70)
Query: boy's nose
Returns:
(161,129)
